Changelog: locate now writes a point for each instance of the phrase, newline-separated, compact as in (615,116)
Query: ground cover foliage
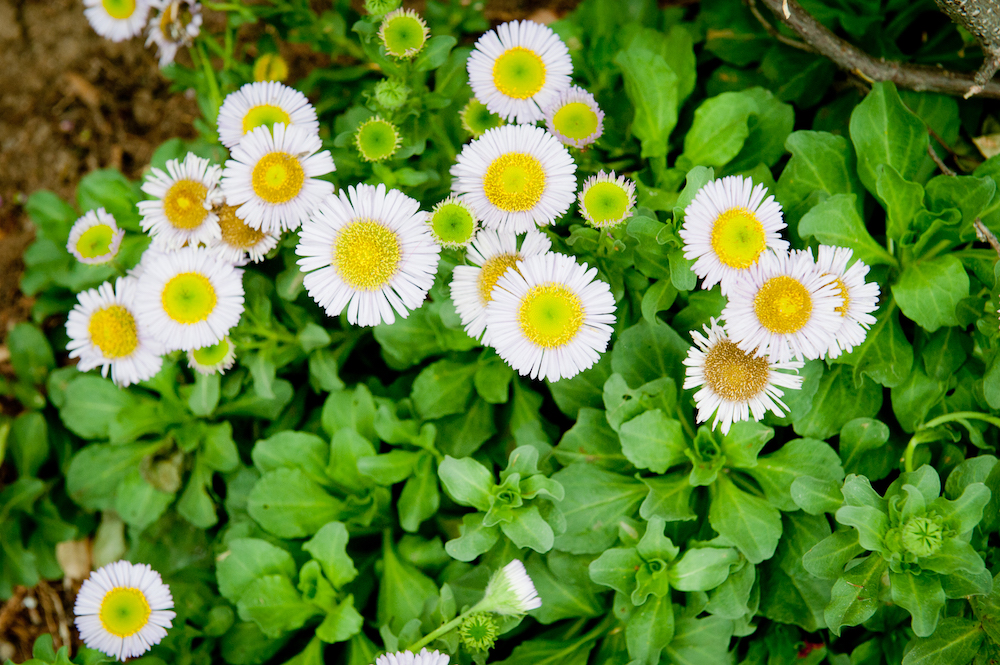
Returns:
(346,491)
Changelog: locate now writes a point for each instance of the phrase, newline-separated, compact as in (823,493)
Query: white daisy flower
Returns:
(518,69)
(104,331)
(606,201)
(272,177)
(510,592)
(263,104)
(858,297)
(516,177)
(117,20)
(735,383)
(403,33)
(549,317)
(177,24)
(181,214)
(215,359)
(575,118)
(727,227)
(783,307)
(368,250)
(123,609)
(453,223)
(189,298)
(425,657)
(237,241)
(491,254)
(95,238)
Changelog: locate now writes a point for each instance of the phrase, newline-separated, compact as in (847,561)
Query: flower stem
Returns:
(924,434)
(439,631)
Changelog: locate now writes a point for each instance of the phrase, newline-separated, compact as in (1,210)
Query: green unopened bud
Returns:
(476,118)
(390,94)
(922,536)
(379,8)
(478,632)
(403,33)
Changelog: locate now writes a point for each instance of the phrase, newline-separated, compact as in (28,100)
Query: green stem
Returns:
(924,433)
(438,632)
(685,423)
(213,84)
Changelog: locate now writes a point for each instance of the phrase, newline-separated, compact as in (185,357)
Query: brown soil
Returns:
(30,613)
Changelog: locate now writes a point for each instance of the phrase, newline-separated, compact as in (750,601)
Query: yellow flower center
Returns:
(188,298)
(184,204)
(550,315)
(119,9)
(112,330)
(235,233)
(783,305)
(514,182)
(738,238)
(265,115)
(95,241)
(366,254)
(270,67)
(211,355)
(519,73)
(844,295)
(575,120)
(124,611)
(492,271)
(734,373)
(278,177)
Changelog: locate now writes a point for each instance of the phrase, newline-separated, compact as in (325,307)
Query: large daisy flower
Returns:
(516,177)
(177,24)
(105,332)
(117,20)
(123,609)
(575,118)
(727,227)
(518,69)
(237,241)
(368,250)
(272,177)
(606,201)
(95,238)
(784,308)
(491,254)
(181,214)
(735,383)
(549,317)
(190,298)
(425,657)
(264,103)
(858,298)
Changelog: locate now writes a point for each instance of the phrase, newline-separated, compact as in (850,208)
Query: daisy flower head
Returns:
(549,317)
(575,118)
(858,298)
(123,609)
(510,592)
(734,383)
(783,308)
(491,253)
(519,68)
(95,238)
(425,657)
(516,177)
(377,139)
(452,223)
(606,201)
(215,359)
(104,331)
(368,250)
(116,20)
(190,298)
(273,177)
(727,227)
(263,104)
(237,241)
(181,212)
(403,33)
(270,67)
(176,25)
(476,118)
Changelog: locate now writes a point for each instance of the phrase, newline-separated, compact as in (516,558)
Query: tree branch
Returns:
(853,59)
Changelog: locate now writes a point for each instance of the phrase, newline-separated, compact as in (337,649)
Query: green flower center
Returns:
(377,139)
(738,238)
(453,224)
(119,9)
(403,35)
(124,611)
(211,355)
(606,203)
(575,120)
(188,298)
(476,118)
(95,241)
(265,115)
(922,536)
(519,73)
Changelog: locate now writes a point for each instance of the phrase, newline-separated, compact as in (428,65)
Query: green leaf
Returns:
(205,395)
(964,513)
(474,538)
(29,443)
(341,624)
(390,468)
(921,596)
(586,389)
(854,597)
(884,131)
(550,652)
(646,352)
(246,560)
(701,569)
(653,441)
(827,558)
(885,356)
(402,591)
(743,442)
(596,502)
(776,472)
(835,221)
(657,298)
(719,130)
(419,499)
(30,353)
(913,399)
(561,597)
(91,404)
(274,605)
(527,528)
(903,201)
(350,408)
(650,629)
(821,162)
(253,404)
(700,641)
(815,495)
(138,503)
(956,640)
(837,401)
(443,388)
(652,87)
(492,380)
(329,548)
(928,291)
(591,440)
(616,568)
(96,470)
(871,523)
(769,127)
(293,450)
(467,481)
(289,504)
(750,523)
(669,498)
(434,53)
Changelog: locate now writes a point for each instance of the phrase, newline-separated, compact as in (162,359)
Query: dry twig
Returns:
(986,235)
(937,160)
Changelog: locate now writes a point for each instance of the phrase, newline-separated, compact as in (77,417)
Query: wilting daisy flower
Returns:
(516,177)
(858,298)
(272,177)
(425,657)
(270,67)
(177,24)
(727,227)
(215,359)
(476,118)
(452,223)
(549,317)
(369,250)
(575,118)
(190,298)
(518,69)
(735,383)
(492,253)
(95,238)
(181,214)
(606,201)
(123,609)
(403,33)
(377,139)
(263,104)
(237,241)
(510,592)
(117,20)
(784,307)
(104,332)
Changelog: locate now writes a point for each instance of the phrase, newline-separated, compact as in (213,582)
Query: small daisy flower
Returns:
(403,33)
(104,331)
(368,250)
(117,20)
(510,592)
(575,118)
(452,223)
(377,139)
(518,69)
(516,177)
(273,177)
(189,298)
(215,359)
(181,214)
(95,238)
(735,383)
(784,308)
(491,253)
(270,67)
(549,317)
(176,25)
(858,297)
(606,201)
(476,118)
(425,657)
(263,104)
(123,609)
(727,227)
(237,241)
